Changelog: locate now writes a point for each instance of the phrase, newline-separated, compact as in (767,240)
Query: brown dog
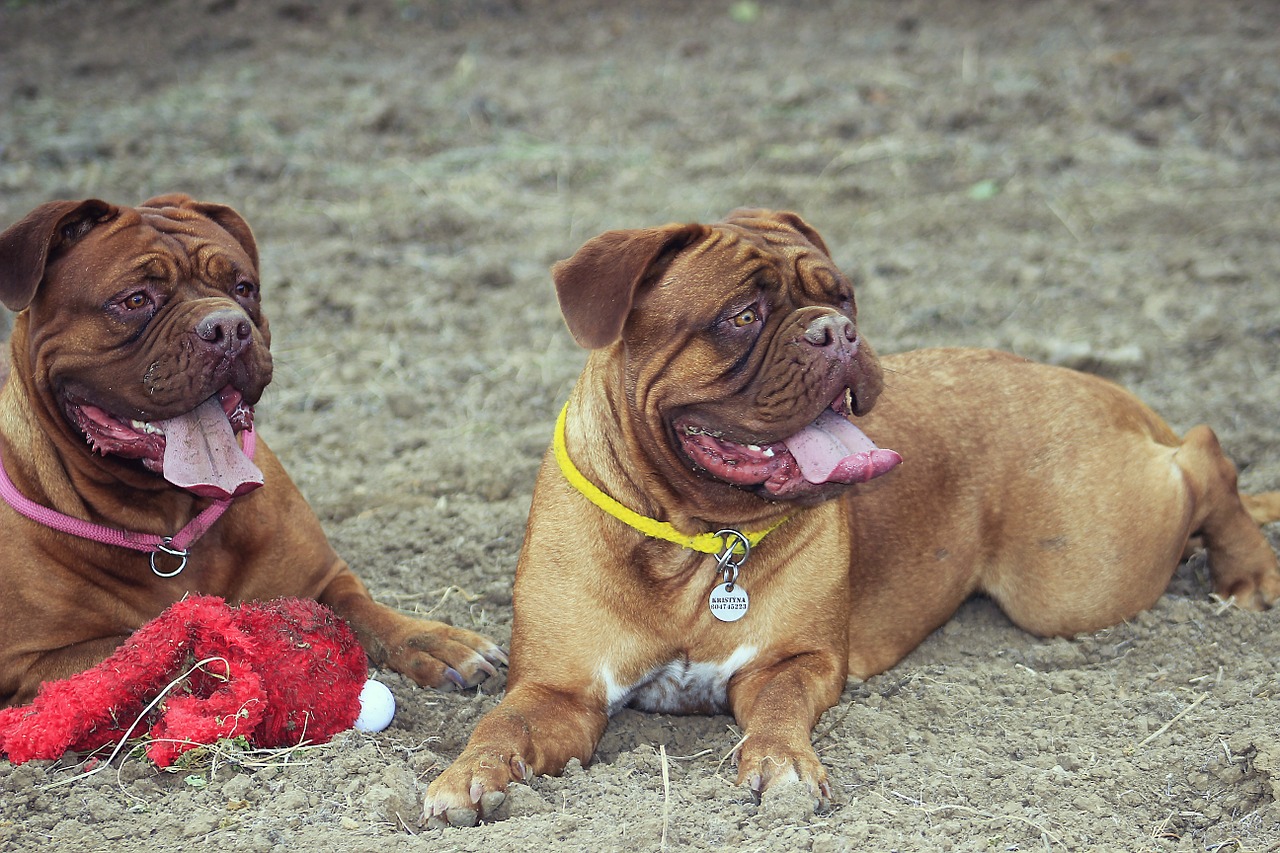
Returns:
(723,361)
(137,356)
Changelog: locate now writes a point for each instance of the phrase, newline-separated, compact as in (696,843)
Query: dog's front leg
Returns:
(777,707)
(431,653)
(535,730)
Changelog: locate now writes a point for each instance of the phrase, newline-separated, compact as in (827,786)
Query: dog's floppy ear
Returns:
(597,286)
(227,218)
(26,247)
(779,217)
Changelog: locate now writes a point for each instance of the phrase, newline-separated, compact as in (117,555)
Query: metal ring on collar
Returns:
(733,540)
(181,554)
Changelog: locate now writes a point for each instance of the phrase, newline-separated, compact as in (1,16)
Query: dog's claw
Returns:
(480,667)
(446,816)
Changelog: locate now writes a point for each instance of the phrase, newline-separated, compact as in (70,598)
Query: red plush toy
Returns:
(279,673)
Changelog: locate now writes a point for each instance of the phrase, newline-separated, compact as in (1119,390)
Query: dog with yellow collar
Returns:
(710,531)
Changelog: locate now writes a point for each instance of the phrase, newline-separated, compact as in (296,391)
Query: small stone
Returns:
(1217,271)
(521,801)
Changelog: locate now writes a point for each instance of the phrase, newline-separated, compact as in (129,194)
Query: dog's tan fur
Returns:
(1056,493)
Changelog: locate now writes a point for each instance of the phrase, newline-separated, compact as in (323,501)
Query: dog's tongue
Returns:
(833,450)
(201,454)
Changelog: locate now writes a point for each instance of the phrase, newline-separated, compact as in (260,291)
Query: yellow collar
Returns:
(707,543)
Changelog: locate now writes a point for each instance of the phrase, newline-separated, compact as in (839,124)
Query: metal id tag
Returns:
(729,602)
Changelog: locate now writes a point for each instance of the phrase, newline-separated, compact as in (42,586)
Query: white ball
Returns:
(377,707)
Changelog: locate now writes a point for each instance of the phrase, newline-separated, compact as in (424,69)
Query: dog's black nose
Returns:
(830,331)
(226,329)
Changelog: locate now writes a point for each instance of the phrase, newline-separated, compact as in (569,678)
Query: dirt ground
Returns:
(1090,182)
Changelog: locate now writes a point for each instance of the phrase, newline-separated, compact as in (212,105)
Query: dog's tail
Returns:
(1263,508)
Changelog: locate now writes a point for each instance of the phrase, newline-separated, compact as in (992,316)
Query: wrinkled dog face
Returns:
(776,360)
(741,350)
(147,329)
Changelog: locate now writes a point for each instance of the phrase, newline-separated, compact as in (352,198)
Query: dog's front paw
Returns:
(472,789)
(1260,591)
(437,655)
(764,763)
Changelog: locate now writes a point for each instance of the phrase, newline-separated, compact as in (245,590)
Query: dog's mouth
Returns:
(830,450)
(197,451)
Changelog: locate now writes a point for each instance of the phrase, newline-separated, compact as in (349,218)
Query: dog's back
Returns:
(1057,493)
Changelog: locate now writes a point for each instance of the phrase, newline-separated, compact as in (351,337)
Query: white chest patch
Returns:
(680,686)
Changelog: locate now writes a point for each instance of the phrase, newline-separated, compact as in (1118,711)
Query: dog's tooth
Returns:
(754,447)
(768,453)
(697,430)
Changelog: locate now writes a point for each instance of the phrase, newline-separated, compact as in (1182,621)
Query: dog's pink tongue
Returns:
(201,454)
(832,450)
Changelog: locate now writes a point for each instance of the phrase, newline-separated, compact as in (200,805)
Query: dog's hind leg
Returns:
(1242,562)
(1264,508)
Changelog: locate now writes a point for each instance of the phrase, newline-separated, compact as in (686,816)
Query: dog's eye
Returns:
(746,318)
(246,289)
(137,300)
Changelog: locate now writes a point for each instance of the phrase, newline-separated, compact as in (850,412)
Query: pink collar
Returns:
(176,545)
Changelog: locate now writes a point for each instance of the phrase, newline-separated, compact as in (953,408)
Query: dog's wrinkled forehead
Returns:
(776,228)
(95,240)
(778,246)
(661,269)
(185,243)
(164,246)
